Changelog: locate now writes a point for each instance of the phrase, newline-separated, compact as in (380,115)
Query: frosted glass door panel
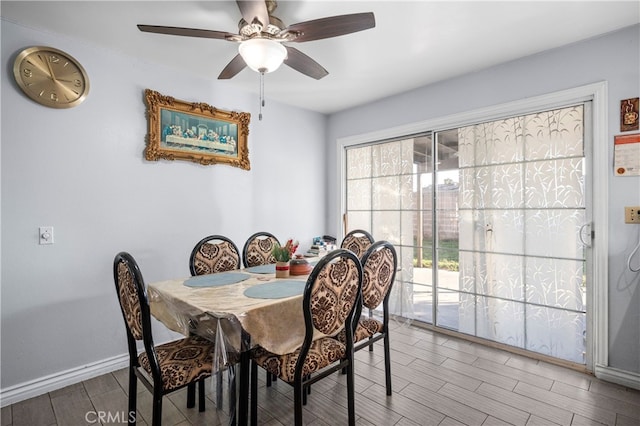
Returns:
(386,225)
(554,134)
(497,186)
(359,194)
(556,332)
(493,275)
(555,183)
(359,219)
(556,283)
(359,163)
(492,230)
(387,159)
(522,206)
(492,143)
(500,320)
(386,193)
(554,233)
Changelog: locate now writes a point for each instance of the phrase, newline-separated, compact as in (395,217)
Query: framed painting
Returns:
(197,132)
(629,114)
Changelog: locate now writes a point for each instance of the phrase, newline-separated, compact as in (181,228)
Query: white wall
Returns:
(82,171)
(615,58)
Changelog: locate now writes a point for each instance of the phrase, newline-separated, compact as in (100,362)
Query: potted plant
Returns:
(283,255)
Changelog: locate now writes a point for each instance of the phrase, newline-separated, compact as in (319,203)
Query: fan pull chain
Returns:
(261,94)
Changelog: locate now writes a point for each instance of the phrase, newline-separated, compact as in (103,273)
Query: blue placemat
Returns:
(276,290)
(262,269)
(216,280)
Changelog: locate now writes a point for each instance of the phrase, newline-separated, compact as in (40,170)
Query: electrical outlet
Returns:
(632,215)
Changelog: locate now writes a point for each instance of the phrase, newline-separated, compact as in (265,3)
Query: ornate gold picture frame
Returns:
(197,132)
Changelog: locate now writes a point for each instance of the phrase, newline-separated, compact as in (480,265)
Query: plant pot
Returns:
(282,269)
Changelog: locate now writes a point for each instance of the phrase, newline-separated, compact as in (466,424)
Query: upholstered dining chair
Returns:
(215,253)
(257,249)
(358,241)
(164,368)
(329,301)
(379,265)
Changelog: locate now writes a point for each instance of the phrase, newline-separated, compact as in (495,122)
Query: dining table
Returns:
(236,310)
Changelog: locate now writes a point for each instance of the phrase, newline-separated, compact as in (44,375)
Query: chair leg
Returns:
(201,404)
(304,395)
(298,393)
(351,394)
(370,346)
(157,409)
(191,395)
(387,363)
(268,379)
(133,394)
(254,393)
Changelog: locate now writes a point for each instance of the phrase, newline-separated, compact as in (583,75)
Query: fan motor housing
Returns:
(273,29)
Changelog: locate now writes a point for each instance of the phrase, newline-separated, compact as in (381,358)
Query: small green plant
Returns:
(284,254)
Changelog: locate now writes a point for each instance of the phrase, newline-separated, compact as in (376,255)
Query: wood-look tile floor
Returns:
(437,380)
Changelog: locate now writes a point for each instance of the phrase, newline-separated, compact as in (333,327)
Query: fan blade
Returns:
(236,65)
(252,10)
(188,32)
(333,26)
(304,64)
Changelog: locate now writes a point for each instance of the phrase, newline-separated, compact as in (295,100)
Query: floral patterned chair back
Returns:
(212,254)
(257,249)
(164,368)
(358,241)
(335,285)
(329,303)
(379,269)
(127,277)
(379,265)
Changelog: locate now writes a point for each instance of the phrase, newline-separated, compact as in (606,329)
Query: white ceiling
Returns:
(413,44)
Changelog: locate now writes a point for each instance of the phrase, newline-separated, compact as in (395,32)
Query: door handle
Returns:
(581,234)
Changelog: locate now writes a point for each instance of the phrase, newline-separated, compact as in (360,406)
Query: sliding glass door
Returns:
(522,210)
(489,222)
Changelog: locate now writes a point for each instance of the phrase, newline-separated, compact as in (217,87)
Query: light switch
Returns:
(46,234)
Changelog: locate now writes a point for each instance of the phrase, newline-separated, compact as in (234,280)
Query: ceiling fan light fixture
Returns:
(262,54)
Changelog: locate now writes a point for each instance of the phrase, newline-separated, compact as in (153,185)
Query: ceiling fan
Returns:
(261,36)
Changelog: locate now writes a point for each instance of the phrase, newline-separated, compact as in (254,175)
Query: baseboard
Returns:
(42,385)
(621,377)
